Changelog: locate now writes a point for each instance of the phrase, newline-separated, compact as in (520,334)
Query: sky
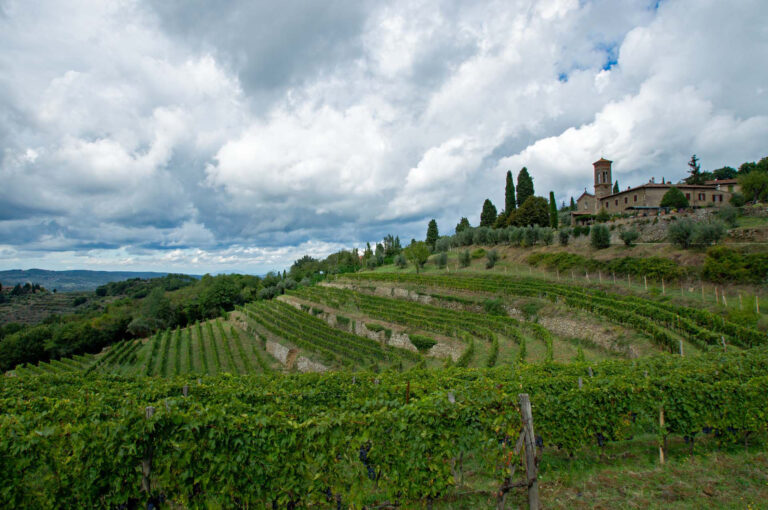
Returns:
(195,136)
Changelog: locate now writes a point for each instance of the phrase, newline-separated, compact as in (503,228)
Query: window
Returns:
(702,196)
(617,201)
(687,196)
(635,198)
(626,199)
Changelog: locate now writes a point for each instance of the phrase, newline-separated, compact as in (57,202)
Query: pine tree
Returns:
(616,187)
(432,234)
(552,210)
(524,186)
(695,171)
(509,194)
(488,216)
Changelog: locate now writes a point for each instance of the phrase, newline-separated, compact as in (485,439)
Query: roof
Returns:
(585,193)
(658,185)
(602,160)
(722,181)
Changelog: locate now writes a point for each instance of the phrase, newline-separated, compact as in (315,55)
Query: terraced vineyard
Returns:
(211,348)
(314,336)
(664,323)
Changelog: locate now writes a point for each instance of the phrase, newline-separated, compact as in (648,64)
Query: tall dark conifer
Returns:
(488,215)
(432,234)
(509,194)
(524,186)
(552,210)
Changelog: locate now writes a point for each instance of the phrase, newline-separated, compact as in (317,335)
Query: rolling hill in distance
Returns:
(70,281)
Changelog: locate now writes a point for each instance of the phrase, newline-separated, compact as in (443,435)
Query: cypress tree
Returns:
(552,210)
(573,205)
(524,186)
(488,216)
(509,194)
(432,234)
(616,187)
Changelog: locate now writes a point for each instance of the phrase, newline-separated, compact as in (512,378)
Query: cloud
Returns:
(148,133)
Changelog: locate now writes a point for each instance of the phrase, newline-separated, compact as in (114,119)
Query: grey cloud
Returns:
(238,133)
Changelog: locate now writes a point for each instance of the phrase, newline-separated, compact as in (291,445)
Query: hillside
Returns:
(408,397)
(69,281)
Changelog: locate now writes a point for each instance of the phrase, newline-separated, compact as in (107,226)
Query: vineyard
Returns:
(210,348)
(411,399)
(664,323)
(345,438)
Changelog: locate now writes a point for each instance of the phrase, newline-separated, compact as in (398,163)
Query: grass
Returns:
(628,475)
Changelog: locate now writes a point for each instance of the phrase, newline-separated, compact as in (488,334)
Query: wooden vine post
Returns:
(531,463)
(526,442)
(146,464)
(662,439)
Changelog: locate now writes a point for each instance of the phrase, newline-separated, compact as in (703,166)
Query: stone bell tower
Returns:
(603,179)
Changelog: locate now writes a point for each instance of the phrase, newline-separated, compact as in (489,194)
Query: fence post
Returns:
(580,383)
(662,438)
(530,452)
(663,290)
(725,349)
(146,464)
(185,390)
(757,304)
(681,348)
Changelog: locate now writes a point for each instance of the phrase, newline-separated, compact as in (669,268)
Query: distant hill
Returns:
(69,281)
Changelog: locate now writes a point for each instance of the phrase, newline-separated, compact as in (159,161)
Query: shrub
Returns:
(707,234)
(400,261)
(516,235)
(724,263)
(464,258)
(674,198)
(729,214)
(341,320)
(421,342)
(478,253)
(680,233)
(629,237)
(737,200)
(494,307)
(600,237)
(602,216)
(480,235)
(441,260)
(443,244)
(563,236)
(546,235)
(530,309)
(492,257)
(529,236)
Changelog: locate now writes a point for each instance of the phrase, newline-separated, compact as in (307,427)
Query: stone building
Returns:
(646,197)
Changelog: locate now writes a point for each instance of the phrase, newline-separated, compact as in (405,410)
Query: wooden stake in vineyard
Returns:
(526,442)
(663,290)
(645,282)
(663,440)
(146,464)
